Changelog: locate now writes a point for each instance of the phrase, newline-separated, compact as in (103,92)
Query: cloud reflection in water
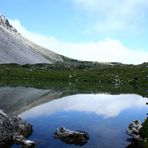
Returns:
(102,104)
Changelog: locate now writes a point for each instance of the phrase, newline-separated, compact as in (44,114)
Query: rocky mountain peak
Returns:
(5,24)
(14,48)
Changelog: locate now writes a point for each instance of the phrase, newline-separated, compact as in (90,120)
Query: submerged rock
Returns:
(71,137)
(14,130)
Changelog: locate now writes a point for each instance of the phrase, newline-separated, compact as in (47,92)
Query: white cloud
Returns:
(115,15)
(108,50)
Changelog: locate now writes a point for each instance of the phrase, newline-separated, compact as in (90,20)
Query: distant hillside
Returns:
(14,48)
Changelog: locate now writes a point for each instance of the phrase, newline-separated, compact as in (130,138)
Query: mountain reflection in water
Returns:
(14,100)
(105,117)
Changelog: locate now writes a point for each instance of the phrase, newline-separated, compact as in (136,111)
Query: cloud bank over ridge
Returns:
(107,50)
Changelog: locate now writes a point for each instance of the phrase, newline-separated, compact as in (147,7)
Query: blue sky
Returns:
(98,30)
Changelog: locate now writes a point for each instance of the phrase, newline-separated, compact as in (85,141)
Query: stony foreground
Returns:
(14,130)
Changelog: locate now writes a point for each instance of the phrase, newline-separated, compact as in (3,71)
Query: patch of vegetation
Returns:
(85,76)
(144,130)
(144,133)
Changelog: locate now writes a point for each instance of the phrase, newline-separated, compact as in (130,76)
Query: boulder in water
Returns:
(71,137)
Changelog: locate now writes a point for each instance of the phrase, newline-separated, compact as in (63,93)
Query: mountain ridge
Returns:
(14,48)
(5,23)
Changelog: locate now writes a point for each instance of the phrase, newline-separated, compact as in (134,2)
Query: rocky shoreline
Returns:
(139,134)
(13,130)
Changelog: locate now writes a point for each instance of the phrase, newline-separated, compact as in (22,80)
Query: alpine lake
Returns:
(103,111)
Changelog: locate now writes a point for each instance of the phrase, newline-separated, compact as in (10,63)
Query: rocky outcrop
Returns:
(139,134)
(133,130)
(5,23)
(71,137)
(14,130)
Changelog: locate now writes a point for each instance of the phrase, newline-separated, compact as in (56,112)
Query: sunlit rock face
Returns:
(5,24)
(16,49)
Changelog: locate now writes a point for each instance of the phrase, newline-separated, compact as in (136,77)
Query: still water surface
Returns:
(105,117)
